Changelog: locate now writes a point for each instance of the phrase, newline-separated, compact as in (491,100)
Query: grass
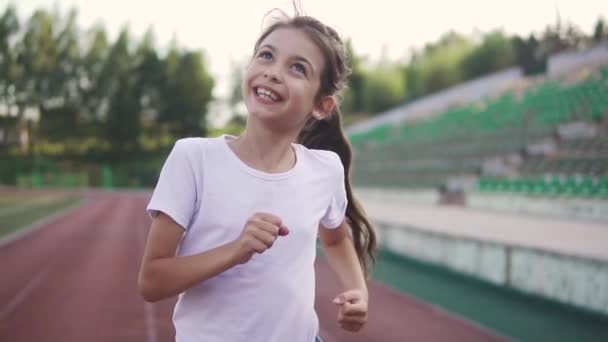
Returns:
(18,210)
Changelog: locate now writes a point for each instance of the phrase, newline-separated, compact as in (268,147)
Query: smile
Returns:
(267,94)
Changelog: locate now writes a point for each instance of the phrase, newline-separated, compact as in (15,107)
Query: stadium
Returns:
(489,193)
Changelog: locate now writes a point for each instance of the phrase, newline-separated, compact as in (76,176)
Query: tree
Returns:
(414,77)
(599,32)
(353,96)
(437,66)
(382,89)
(38,58)
(122,124)
(527,55)
(84,86)
(10,69)
(94,83)
(187,93)
(496,52)
(61,99)
(149,78)
(236,79)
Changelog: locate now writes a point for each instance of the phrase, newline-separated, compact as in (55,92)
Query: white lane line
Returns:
(23,294)
(150,322)
(149,316)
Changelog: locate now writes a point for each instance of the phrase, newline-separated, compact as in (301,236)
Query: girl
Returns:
(235,219)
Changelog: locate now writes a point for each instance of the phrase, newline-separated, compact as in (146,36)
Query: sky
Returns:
(227,29)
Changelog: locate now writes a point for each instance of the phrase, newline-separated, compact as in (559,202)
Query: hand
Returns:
(352,313)
(260,232)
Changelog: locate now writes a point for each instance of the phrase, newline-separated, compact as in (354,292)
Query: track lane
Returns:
(76,280)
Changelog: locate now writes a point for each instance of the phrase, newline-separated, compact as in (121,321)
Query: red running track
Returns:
(75,279)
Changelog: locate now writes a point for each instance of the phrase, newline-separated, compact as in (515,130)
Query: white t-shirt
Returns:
(211,193)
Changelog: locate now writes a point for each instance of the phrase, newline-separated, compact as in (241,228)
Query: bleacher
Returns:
(462,142)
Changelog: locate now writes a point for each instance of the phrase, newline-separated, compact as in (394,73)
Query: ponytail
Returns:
(328,135)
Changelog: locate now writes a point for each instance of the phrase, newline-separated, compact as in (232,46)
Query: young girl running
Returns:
(235,219)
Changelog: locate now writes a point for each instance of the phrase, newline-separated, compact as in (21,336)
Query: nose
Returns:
(272,74)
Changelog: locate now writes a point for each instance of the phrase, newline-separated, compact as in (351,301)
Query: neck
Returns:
(265,149)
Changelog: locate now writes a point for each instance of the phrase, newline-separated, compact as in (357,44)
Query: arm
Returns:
(342,258)
(162,274)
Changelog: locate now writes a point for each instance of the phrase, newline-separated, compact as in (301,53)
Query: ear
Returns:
(324,107)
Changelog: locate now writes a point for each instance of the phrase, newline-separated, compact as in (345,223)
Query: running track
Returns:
(75,279)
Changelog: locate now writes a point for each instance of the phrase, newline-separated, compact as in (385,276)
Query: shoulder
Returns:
(324,159)
(194,147)
(188,144)
(189,153)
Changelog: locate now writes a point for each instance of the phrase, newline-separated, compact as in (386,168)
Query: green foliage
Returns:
(353,101)
(495,52)
(101,100)
(383,89)
(453,59)
(81,85)
(189,92)
(600,31)
(527,57)
(77,95)
(235,126)
(439,65)
(379,87)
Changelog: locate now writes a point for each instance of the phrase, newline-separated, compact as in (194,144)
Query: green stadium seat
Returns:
(497,127)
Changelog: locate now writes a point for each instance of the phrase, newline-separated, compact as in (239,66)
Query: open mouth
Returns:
(267,94)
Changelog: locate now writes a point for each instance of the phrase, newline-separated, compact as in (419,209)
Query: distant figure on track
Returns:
(235,219)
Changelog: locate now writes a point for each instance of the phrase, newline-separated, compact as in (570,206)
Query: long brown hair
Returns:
(327,134)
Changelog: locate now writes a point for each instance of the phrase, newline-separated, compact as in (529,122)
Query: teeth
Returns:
(267,93)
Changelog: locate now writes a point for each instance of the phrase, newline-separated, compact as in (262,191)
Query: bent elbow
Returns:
(147,296)
(147,290)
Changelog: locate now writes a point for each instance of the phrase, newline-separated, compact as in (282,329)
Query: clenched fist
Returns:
(260,232)
(352,312)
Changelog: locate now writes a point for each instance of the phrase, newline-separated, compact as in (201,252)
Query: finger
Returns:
(358,309)
(340,316)
(266,226)
(351,296)
(265,217)
(353,319)
(270,218)
(258,246)
(265,237)
(353,327)
(354,316)
(355,313)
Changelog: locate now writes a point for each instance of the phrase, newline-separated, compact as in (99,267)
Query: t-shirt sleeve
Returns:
(175,191)
(334,215)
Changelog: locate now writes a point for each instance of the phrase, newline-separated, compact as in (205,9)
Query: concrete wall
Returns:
(565,62)
(562,207)
(568,279)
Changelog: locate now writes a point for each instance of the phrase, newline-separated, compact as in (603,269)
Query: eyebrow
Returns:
(297,58)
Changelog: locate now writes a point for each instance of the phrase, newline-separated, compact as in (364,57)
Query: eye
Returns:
(267,55)
(299,67)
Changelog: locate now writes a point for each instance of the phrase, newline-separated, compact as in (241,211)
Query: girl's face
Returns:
(282,80)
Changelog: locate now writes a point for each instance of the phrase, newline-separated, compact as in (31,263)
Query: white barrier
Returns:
(577,281)
(565,62)
(562,207)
